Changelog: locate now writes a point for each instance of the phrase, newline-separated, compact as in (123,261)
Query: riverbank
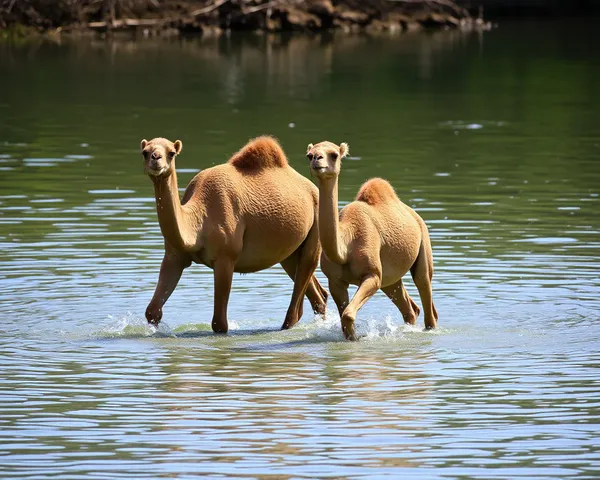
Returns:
(177,17)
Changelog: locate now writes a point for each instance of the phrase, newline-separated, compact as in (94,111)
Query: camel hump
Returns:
(376,191)
(259,154)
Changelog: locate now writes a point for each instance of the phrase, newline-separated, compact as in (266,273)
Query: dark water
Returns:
(493,138)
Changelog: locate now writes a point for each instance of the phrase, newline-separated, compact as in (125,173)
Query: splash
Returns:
(133,326)
(367,328)
(316,329)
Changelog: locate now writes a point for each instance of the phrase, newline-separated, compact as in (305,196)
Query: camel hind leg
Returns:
(422,274)
(408,308)
(316,294)
(307,261)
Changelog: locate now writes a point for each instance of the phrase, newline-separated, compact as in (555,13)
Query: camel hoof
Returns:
(219,328)
(348,329)
(153,317)
(288,325)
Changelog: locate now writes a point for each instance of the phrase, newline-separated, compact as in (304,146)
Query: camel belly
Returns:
(396,260)
(396,264)
(267,245)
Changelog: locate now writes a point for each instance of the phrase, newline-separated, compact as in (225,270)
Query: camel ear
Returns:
(178,146)
(344,150)
(310,145)
(143,144)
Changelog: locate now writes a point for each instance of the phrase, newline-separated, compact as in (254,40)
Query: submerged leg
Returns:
(170,272)
(408,308)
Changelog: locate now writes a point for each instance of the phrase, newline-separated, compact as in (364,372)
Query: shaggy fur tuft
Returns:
(376,191)
(258,154)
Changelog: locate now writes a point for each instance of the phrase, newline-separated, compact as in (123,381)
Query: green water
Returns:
(494,138)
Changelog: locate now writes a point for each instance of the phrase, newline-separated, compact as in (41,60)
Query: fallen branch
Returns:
(258,8)
(127,22)
(208,9)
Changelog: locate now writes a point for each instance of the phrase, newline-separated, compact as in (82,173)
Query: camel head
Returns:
(325,159)
(159,156)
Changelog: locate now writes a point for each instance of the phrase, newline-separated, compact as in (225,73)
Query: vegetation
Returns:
(181,16)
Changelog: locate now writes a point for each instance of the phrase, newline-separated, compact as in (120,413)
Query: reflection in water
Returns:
(492,138)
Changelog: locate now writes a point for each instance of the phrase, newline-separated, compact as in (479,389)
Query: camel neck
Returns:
(171,214)
(329,229)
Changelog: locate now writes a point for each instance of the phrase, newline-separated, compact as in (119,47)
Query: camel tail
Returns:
(376,191)
(258,154)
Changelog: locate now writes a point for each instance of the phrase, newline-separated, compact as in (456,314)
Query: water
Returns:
(493,138)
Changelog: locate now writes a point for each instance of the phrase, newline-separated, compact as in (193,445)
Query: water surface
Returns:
(493,138)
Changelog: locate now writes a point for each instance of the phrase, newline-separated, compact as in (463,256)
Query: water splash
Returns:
(133,326)
(367,328)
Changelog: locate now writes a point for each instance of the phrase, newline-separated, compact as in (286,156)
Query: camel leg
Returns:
(170,272)
(316,294)
(339,292)
(223,272)
(324,295)
(422,273)
(289,265)
(308,259)
(408,308)
(366,290)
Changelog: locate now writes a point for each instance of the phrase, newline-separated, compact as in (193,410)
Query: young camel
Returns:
(242,216)
(371,243)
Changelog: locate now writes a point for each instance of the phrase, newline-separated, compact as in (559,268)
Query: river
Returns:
(494,138)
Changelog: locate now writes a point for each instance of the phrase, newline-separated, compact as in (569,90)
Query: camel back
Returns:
(258,154)
(376,191)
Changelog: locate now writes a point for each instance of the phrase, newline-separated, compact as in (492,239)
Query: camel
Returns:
(371,243)
(242,216)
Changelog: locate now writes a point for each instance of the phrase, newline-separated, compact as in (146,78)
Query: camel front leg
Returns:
(366,290)
(223,275)
(408,308)
(170,272)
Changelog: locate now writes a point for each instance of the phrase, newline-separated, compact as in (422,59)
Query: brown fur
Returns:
(241,216)
(376,191)
(373,242)
(258,154)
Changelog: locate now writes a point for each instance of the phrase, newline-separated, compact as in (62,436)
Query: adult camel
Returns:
(242,216)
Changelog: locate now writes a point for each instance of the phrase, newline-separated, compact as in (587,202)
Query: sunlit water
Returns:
(494,139)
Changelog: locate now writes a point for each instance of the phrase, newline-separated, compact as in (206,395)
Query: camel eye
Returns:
(334,155)
(171,154)
(309,156)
